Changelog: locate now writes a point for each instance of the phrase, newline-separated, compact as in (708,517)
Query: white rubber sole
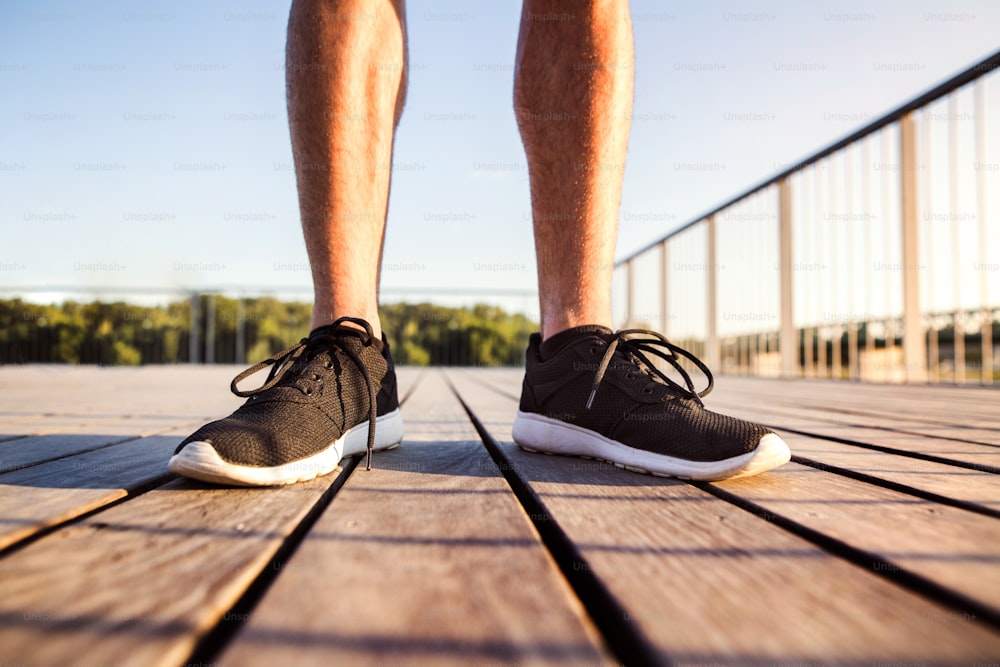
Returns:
(200,461)
(537,433)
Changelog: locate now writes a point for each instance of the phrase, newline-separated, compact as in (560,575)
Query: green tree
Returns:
(121,333)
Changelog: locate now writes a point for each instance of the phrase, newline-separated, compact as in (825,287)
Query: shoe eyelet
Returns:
(316,376)
(630,376)
(309,391)
(595,351)
(647,390)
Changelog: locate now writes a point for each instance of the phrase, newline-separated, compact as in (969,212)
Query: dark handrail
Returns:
(988,64)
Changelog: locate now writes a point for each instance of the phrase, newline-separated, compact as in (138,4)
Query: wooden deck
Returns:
(878,545)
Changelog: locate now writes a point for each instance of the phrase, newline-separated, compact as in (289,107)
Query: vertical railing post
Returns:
(813,337)
(241,333)
(887,231)
(629,294)
(788,343)
(914,341)
(712,356)
(664,298)
(822,362)
(852,322)
(210,329)
(853,372)
(926,203)
(194,330)
(836,352)
(832,362)
(986,333)
(957,319)
(866,165)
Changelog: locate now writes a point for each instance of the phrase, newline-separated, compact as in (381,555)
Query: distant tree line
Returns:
(119,333)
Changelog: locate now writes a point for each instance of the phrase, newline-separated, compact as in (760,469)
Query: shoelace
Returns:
(656,345)
(323,338)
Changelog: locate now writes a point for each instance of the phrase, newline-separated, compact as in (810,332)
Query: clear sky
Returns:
(146,144)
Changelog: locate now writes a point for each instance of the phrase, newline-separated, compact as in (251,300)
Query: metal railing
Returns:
(876,258)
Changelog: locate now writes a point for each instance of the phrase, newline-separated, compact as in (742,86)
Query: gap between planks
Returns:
(426,559)
(545,478)
(141,581)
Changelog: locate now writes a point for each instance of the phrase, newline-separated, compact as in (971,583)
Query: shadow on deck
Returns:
(878,543)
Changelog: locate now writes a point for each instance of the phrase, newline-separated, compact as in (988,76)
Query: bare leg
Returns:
(346,79)
(573,100)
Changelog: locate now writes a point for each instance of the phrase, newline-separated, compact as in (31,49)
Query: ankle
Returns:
(320,319)
(556,325)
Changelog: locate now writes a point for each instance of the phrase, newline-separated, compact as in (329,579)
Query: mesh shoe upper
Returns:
(629,399)
(316,391)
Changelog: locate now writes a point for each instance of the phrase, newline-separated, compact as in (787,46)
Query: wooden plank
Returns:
(755,399)
(959,484)
(50,479)
(908,531)
(426,559)
(407,380)
(92,391)
(24,426)
(25,452)
(36,498)
(957,549)
(982,439)
(85,469)
(879,404)
(971,401)
(140,583)
(973,486)
(965,485)
(46,430)
(168,395)
(932,407)
(928,425)
(975,454)
(77,409)
(112,391)
(708,582)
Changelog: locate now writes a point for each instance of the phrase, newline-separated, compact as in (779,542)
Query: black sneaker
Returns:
(594,393)
(331,395)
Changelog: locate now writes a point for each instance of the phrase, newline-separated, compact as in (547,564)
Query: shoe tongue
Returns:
(552,346)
